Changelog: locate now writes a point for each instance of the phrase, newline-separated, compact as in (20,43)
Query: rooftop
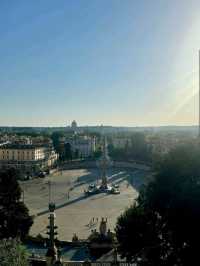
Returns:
(22,146)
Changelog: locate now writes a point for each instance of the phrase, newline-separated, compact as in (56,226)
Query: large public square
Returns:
(76,213)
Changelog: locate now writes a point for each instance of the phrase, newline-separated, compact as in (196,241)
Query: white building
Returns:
(85,146)
(27,157)
(15,152)
(74,125)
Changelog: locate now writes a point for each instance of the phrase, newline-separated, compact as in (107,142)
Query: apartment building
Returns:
(27,157)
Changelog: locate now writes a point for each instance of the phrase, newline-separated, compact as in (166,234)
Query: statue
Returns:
(103,227)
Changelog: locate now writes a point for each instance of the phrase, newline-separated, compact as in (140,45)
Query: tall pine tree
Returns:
(15,220)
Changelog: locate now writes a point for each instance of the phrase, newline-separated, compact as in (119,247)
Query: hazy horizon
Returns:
(98,125)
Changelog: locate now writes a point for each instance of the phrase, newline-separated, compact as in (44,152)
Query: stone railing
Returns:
(42,262)
(99,263)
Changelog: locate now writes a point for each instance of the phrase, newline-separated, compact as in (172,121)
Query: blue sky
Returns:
(107,62)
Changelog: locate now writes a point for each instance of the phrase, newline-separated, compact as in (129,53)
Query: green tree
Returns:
(68,151)
(136,231)
(76,154)
(140,150)
(136,150)
(14,216)
(12,253)
(97,154)
(163,227)
(56,140)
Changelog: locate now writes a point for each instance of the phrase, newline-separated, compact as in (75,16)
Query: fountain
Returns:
(103,163)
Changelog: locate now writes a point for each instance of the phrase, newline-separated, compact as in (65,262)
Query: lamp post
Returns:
(52,253)
(115,262)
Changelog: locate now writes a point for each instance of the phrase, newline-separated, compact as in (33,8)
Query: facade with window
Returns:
(84,146)
(29,158)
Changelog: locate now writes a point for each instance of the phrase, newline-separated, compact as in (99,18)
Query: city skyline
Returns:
(99,62)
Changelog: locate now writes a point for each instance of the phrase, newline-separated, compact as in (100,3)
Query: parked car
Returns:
(92,186)
(42,174)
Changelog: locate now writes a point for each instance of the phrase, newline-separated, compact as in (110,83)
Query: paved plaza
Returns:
(76,213)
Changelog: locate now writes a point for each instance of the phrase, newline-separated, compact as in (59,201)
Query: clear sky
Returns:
(113,62)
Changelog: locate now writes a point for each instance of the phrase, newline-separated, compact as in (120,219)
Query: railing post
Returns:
(87,262)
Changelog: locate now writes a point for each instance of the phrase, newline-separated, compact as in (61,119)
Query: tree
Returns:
(68,152)
(12,253)
(162,228)
(98,153)
(140,149)
(135,231)
(136,149)
(56,140)
(76,154)
(14,216)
